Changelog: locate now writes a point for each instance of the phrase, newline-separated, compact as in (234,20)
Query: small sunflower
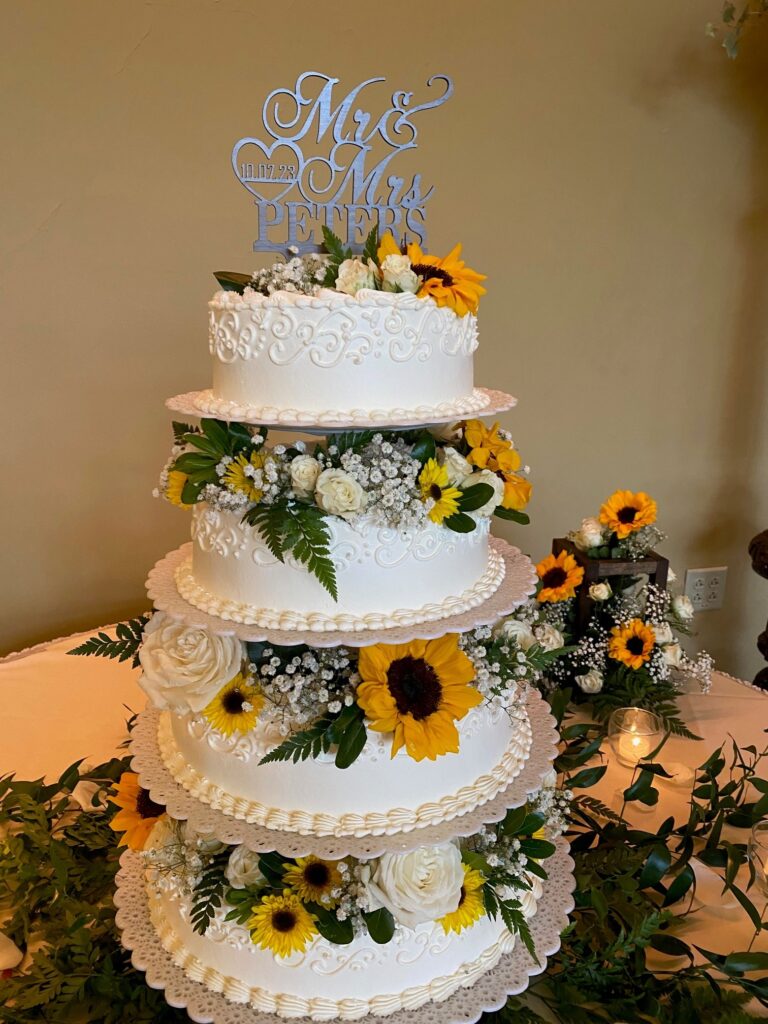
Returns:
(387,247)
(435,486)
(313,880)
(282,924)
(559,575)
(631,644)
(448,280)
(417,691)
(175,487)
(138,812)
(238,475)
(236,706)
(471,905)
(517,492)
(625,512)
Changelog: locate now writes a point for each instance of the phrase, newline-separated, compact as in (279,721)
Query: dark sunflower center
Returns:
(626,514)
(415,687)
(317,875)
(233,701)
(425,271)
(635,645)
(283,920)
(554,577)
(462,896)
(436,492)
(146,806)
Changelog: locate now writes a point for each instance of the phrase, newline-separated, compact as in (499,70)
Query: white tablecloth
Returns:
(56,709)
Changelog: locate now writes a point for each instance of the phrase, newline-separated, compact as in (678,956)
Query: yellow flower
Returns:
(517,492)
(281,924)
(484,444)
(625,512)
(236,706)
(312,879)
(435,485)
(236,478)
(175,487)
(448,280)
(471,905)
(559,577)
(631,644)
(138,812)
(387,247)
(417,691)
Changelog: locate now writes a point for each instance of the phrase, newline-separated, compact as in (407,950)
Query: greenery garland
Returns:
(58,863)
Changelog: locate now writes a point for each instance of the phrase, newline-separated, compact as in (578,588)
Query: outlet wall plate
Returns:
(706,587)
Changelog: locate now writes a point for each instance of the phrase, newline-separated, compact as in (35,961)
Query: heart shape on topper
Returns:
(283,157)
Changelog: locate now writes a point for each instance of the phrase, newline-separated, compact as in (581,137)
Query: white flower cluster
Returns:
(223,500)
(176,855)
(637,545)
(352,898)
(385,470)
(300,688)
(303,274)
(554,805)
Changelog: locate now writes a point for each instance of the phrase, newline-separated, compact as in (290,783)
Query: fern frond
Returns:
(123,646)
(209,891)
(305,744)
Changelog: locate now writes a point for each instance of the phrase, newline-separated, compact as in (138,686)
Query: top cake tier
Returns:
(375,358)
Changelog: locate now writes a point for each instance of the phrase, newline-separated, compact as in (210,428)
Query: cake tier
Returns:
(329,982)
(371,351)
(376,795)
(385,577)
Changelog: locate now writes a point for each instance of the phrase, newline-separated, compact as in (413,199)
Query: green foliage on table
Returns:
(636,688)
(634,889)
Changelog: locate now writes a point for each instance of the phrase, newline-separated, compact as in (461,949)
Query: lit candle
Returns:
(633,747)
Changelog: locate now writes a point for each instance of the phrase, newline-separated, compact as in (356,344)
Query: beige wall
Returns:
(603,162)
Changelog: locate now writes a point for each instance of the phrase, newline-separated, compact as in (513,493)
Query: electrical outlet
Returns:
(706,587)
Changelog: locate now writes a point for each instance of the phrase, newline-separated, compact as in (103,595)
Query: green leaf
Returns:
(334,245)
(460,523)
(670,946)
(739,963)
(587,777)
(424,448)
(539,849)
(231,281)
(330,927)
(679,886)
(656,866)
(642,790)
(475,497)
(208,892)
(371,248)
(272,866)
(180,431)
(350,733)
(380,924)
(311,742)
(513,515)
(123,646)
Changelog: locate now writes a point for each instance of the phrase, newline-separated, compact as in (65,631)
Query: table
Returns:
(56,709)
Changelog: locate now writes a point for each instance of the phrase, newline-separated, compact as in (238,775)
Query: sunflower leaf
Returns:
(475,497)
(380,924)
(513,515)
(460,522)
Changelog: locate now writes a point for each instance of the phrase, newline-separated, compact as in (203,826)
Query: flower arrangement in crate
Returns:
(604,591)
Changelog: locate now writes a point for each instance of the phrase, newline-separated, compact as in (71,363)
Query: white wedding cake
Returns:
(342,805)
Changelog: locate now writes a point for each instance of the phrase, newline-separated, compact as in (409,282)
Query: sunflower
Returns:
(418,691)
(313,879)
(436,487)
(175,487)
(631,644)
(559,575)
(517,492)
(236,706)
(625,512)
(282,924)
(138,812)
(448,281)
(387,247)
(237,479)
(471,905)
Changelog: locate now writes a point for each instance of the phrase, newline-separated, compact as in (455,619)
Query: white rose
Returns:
(458,467)
(590,682)
(550,779)
(242,868)
(548,637)
(672,654)
(520,632)
(83,795)
(354,275)
(165,832)
(10,954)
(204,843)
(305,469)
(419,886)
(682,607)
(183,666)
(600,591)
(397,274)
(339,493)
(485,476)
(589,535)
(662,632)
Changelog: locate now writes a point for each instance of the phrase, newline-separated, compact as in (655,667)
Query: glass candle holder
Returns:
(757,851)
(633,734)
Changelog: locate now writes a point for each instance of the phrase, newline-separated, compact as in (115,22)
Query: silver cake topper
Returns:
(297,194)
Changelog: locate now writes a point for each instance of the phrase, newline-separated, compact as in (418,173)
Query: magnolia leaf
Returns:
(475,497)
(380,924)
(513,515)
(460,523)
(231,281)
